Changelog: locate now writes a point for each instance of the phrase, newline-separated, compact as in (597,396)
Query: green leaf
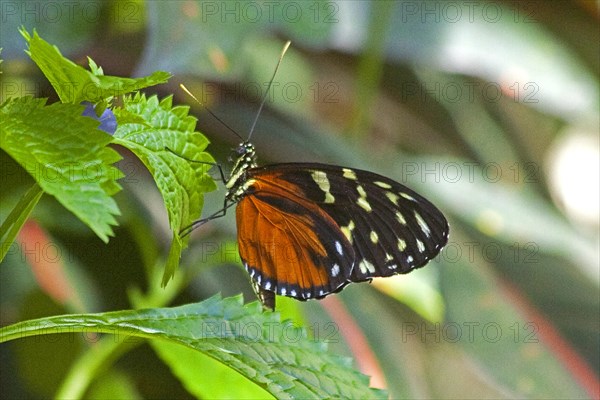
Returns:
(274,355)
(75,84)
(510,345)
(17,217)
(163,138)
(66,155)
(218,380)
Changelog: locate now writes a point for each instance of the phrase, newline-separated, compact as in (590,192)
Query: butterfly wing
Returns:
(288,244)
(391,228)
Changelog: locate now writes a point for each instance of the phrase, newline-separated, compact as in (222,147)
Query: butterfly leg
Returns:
(198,223)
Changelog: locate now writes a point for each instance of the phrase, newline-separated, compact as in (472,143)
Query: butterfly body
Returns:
(306,230)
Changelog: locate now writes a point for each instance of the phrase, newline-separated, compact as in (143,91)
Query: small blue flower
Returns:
(108,122)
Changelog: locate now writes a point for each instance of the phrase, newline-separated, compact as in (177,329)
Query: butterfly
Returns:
(306,230)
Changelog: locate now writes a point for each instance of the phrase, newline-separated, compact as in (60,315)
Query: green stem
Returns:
(17,217)
(97,359)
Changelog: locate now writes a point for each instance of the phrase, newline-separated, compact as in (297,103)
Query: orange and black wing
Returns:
(390,228)
(288,244)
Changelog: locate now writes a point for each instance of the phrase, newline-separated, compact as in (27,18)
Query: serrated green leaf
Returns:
(96,70)
(66,155)
(75,84)
(163,137)
(274,355)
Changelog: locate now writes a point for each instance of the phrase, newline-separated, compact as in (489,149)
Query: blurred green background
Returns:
(488,108)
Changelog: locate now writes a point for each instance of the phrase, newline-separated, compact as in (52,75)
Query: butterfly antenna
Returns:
(210,112)
(264,99)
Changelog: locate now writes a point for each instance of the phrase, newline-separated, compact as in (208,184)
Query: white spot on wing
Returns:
(374,237)
(401,244)
(400,218)
(335,270)
(365,266)
(362,200)
(393,197)
(364,204)
(361,191)
(423,224)
(349,174)
(347,230)
(283,291)
(407,196)
(339,248)
(420,246)
(383,185)
(322,181)
(293,293)
(267,285)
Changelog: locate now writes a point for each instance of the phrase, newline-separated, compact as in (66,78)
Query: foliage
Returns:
(163,137)
(466,108)
(255,344)
(66,155)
